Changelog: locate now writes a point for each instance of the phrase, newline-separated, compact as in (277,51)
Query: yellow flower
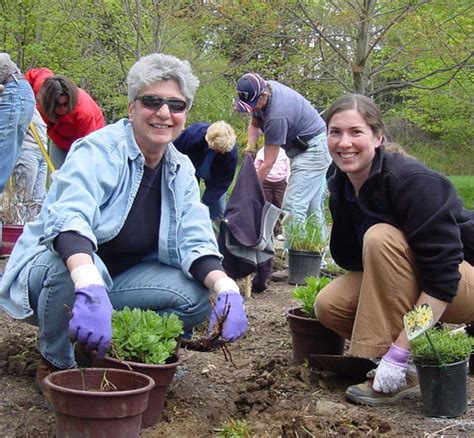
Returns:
(418,320)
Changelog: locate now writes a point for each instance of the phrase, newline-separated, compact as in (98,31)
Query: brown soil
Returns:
(275,396)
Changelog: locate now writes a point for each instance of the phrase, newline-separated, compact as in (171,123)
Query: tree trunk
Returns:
(359,73)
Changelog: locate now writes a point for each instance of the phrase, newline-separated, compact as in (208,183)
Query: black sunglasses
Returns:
(152,101)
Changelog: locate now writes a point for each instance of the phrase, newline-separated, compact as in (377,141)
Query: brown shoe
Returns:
(363,394)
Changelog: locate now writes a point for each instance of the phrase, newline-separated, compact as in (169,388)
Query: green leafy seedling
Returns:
(306,294)
(234,429)
(144,335)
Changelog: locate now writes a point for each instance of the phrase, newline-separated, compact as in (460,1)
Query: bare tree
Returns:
(367,46)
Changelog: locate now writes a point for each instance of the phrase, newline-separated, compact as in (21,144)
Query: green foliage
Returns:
(234,429)
(144,335)
(306,294)
(417,63)
(440,156)
(448,347)
(305,235)
(333,269)
(465,187)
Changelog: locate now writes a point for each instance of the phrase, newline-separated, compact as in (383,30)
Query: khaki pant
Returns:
(368,307)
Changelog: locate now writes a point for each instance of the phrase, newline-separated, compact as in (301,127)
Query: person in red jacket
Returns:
(69,112)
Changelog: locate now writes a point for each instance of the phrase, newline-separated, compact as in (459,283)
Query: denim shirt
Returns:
(92,195)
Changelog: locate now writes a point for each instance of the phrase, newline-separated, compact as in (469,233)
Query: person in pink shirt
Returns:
(275,183)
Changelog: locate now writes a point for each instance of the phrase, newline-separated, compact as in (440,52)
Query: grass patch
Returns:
(448,160)
(465,186)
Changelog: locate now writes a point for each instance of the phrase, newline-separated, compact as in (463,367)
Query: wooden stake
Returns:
(248,286)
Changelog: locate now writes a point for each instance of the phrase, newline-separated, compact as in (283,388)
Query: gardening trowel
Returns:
(352,367)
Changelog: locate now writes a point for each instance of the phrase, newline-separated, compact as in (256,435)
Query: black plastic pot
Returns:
(443,389)
(302,264)
(310,337)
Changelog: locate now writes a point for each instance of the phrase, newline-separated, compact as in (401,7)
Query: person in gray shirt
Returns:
(288,120)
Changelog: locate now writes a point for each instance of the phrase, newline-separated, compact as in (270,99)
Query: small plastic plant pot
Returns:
(443,389)
(162,374)
(302,264)
(98,402)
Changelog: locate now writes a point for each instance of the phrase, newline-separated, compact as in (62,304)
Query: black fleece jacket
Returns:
(423,204)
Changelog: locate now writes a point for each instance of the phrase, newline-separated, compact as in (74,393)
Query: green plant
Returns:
(440,347)
(306,294)
(144,335)
(332,269)
(305,235)
(234,429)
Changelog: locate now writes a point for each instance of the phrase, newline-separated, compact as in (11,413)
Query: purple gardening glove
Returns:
(229,302)
(91,322)
(390,375)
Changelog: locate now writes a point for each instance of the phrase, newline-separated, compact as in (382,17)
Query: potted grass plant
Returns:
(146,342)
(441,357)
(309,336)
(306,244)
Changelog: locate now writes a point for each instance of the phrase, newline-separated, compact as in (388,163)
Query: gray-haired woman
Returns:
(121,226)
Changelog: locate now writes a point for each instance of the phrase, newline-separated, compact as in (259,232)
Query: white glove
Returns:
(390,375)
(226,284)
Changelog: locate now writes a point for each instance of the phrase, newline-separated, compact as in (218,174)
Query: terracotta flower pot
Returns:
(162,374)
(310,337)
(85,408)
(9,236)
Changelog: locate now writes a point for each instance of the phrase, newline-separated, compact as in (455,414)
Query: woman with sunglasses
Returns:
(402,232)
(69,112)
(122,225)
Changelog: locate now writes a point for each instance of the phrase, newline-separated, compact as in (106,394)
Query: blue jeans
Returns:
(217,208)
(307,182)
(149,285)
(17,104)
(31,172)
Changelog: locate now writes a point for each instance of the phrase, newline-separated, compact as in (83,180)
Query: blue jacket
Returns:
(421,203)
(220,174)
(93,194)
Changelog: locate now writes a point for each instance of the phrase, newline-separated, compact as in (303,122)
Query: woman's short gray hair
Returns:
(158,67)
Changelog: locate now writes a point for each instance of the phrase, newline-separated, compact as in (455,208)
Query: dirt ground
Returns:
(275,396)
